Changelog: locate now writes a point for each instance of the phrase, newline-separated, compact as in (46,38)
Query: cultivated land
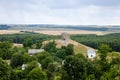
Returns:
(53,32)
(9,31)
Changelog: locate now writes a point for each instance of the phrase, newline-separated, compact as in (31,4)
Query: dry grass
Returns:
(57,32)
(9,31)
(78,48)
(54,32)
(18,45)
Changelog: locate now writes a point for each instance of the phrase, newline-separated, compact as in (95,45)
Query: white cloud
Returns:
(42,12)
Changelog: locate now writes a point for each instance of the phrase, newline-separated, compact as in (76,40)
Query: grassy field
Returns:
(78,48)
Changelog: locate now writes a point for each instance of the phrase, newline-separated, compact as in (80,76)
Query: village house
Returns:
(91,53)
(34,51)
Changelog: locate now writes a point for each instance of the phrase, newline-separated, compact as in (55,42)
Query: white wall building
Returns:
(34,51)
(91,53)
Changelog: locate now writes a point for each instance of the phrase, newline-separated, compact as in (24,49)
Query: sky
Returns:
(64,12)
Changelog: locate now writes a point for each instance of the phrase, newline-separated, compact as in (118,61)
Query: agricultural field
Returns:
(9,31)
(58,29)
(55,32)
(52,32)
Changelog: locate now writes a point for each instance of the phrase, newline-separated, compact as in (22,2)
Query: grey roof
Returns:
(90,51)
(34,51)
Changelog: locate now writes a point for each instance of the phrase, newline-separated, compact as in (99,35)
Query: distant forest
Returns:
(4,27)
(113,40)
(19,38)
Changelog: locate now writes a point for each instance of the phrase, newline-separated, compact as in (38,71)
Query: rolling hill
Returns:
(78,47)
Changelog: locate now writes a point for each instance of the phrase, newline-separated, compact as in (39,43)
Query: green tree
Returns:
(113,73)
(50,47)
(113,58)
(4,70)
(103,52)
(78,68)
(109,75)
(45,62)
(6,50)
(44,59)
(61,53)
(70,49)
(15,75)
(30,67)
(5,45)
(28,42)
(16,60)
(38,44)
(104,49)
(27,58)
(7,54)
(53,71)
(37,74)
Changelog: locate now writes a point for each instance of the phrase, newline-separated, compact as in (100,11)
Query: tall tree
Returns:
(37,74)
(6,50)
(27,42)
(61,53)
(4,70)
(16,60)
(5,45)
(103,50)
(50,47)
(32,65)
(44,59)
(77,67)
(70,49)
(38,44)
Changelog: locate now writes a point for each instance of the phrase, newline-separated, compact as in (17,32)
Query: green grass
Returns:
(80,49)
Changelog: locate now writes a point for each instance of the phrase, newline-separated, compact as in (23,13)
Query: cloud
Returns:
(77,12)
(60,4)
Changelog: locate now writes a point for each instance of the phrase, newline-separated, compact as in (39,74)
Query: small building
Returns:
(91,53)
(34,51)
(65,36)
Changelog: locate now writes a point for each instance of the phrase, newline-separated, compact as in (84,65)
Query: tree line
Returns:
(20,38)
(113,40)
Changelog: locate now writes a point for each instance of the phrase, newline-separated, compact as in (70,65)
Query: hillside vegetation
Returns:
(78,47)
(94,41)
(57,63)
(60,60)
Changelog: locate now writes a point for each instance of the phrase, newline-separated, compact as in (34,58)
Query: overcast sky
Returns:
(72,12)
